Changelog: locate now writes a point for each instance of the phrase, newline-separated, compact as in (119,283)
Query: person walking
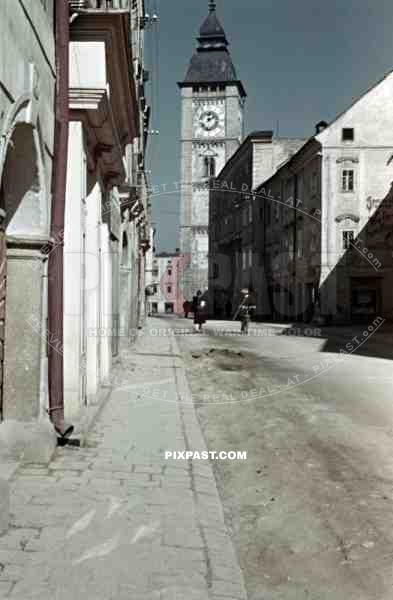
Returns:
(186,308)
(198,306)
(245,319)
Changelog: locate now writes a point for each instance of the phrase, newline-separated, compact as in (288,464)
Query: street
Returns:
(310,509)
(150,178)
(306,515)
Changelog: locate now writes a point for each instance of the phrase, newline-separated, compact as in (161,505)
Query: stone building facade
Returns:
(212,105)
(106,234)
(27,87)
(235,236)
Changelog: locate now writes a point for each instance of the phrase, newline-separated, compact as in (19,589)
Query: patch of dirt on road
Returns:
(308,508)
(223,358)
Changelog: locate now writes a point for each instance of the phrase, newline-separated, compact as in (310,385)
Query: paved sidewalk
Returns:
(114,520)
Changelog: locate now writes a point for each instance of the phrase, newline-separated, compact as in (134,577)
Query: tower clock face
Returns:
(209,118)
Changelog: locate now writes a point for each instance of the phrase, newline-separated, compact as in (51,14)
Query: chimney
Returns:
(320,127)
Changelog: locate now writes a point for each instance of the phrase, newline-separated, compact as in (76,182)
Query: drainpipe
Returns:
(55,260)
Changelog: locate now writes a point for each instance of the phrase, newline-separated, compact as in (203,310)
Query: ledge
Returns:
(92,107)
(113,26)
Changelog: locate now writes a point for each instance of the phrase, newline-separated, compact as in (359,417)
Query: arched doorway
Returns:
(23,216)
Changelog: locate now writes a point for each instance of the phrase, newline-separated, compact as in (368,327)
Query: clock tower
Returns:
(212,100)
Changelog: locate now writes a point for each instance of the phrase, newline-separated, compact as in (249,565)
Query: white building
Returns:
(106,207)
(356,177)
(332,255)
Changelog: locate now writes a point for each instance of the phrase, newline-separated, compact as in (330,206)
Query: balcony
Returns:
(78,5)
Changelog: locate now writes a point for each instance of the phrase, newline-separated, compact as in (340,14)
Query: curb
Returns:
(219,548)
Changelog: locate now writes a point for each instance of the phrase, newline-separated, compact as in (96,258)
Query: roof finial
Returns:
(212,6)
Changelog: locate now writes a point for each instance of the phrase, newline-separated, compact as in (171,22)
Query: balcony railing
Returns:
(99,4)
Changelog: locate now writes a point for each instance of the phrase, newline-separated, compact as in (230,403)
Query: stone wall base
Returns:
(27,442)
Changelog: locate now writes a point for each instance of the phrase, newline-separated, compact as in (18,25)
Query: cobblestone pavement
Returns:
(114,520)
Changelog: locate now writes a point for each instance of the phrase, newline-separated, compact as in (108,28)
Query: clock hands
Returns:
(209,120)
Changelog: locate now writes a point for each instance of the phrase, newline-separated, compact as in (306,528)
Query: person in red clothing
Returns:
(186,308)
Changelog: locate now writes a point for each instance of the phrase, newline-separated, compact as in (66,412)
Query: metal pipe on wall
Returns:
(59,181)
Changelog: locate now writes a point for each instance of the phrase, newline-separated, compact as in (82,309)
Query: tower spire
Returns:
(212,6)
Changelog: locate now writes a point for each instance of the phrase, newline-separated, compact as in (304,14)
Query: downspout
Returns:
(55,260)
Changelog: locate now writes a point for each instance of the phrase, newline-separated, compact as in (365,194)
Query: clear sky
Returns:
(300,61)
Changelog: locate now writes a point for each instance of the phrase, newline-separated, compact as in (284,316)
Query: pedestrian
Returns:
(245,319)
(198,308)
(186,308)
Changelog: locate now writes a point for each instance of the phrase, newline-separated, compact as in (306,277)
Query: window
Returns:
(245,216)
(314,182)
(169,289)
(155,272)
(250,213)
(348,180)
(169,272)
(244,256)
(348,134)
(209,166)
(250,257)
(348,237)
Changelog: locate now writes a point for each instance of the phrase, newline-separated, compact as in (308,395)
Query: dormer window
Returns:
(348,134)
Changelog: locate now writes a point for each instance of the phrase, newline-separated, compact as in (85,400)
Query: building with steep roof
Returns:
(324,221)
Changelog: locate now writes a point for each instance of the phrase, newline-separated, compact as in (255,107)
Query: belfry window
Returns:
(209,164)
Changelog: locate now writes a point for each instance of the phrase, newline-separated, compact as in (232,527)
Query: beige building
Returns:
(87,257)
(27,86)
(234,232)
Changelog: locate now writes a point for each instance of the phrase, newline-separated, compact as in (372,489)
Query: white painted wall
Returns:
(73,273)
(88,65)
(106,324)
(93,287)
(372,119)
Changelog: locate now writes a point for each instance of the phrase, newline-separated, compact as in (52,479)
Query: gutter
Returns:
(56,259)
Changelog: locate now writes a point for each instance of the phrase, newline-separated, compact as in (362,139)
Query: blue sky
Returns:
(300,62)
